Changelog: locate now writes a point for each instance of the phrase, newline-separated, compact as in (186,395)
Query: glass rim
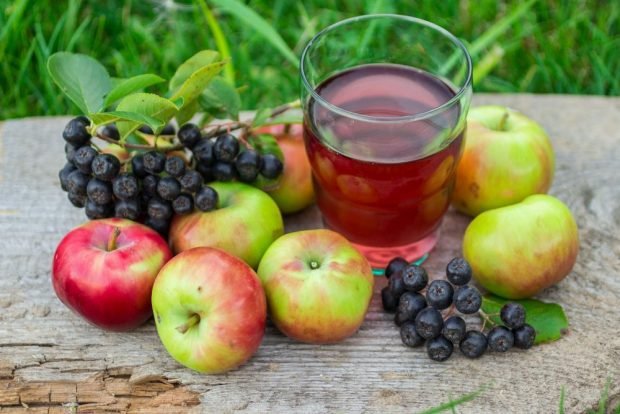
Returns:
(393,119)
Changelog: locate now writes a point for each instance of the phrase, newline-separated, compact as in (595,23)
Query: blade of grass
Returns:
(451,404)
(489,36)
(262,27)
(220,41)
(562,396)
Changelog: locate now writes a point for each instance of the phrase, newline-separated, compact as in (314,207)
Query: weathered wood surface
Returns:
(54,362)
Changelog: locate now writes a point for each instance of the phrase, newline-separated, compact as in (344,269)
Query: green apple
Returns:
(507,157)
(244,224)
(209,310)
(318,285)
(518,250)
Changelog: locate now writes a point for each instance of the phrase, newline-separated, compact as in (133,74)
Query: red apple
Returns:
(209,309)
(318,285)
(507,157)
(294,192)
(104,271)
(244,224)
(518,250)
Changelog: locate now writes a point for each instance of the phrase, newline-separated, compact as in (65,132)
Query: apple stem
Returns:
(193,320)
(502,122)
(112,240)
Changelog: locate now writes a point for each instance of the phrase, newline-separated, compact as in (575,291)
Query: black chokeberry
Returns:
(78,200)
(272,166)
(223,171)
(226,148)
(458,271)
(206,171)
(128,209)
(203,151)
(439,294)
(513,315)
(168,130)
(394,266)
(388,299)
(409,335)
(473,344)
(77,182)
(183,204)
(415,277)
(161,226)
(439,348)
(191,181)
(64,173)
(70,152)
(97,211)
(396,285)
(524,336)
(84,157)
(125,186)
(409,305)
(206,199)
(99,192)
(248,165)
(110,131)
(168,188)
(149,185)
(75,132)
(467,299)
(189,135)
(154,162)
(159,209)
(105,167)
(137,166)
(500,339)
(454,329)
(175,166)
(429,323)
(145,129)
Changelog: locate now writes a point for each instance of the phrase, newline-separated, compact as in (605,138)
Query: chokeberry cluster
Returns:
(224,159)
(431,313)
(152,185)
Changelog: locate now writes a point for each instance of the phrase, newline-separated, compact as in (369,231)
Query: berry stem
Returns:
(485,319)
(112,240)
(193,320)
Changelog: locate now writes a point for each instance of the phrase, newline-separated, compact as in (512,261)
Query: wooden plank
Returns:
(43,344)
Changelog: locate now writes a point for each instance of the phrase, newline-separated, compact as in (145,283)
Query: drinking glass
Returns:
(385,99)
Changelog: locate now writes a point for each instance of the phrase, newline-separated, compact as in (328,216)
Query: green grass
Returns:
(558,46)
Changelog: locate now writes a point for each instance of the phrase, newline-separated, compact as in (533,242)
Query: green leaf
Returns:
(221,98)
(147,104)
(548,319)
(103,118)
(128,86)
(261,116)
(191,65)
(260,26)
(83,79)
(197,82)
(266,144)
(187,112)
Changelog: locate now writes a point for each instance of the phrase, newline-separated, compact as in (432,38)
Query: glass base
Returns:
(416,252)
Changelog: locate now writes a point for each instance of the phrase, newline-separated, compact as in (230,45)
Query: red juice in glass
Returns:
(384,136)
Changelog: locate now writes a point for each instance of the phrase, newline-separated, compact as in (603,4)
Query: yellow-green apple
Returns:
(104,271)
(294,191)
(318,286)
(518,250)
(507,157)
(119,152)
(244,224)
(209,309)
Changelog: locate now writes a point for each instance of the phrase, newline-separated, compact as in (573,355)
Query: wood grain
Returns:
(52,361)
